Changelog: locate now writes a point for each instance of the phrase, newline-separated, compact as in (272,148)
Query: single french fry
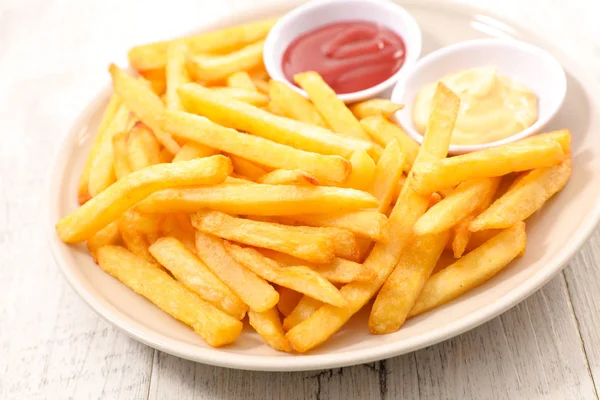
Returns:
(109,235)
(384,131)
(102,172)
(121,163)
(399,293)
(216,327)
(258,199)
(288,299)
(375,107)
(251,97)
(363,171)
(563,137)
(143,150)
(241,116)
(253,290)
(125,193)
(177,74)
(472,270)
(288,177)
(261,85)
(458,205)
(216,68)
(268,325)
(293,105)
(299,278)
(196,276)
(83,193)
(246,168)
(383,258)
(317,247)
(366,223)
(146,105)
(306,307)
(241,80)
(345,243)
(527,196)
(387,173)
(189,151)
(494,161)
(331,108)
(135,241)
(201,130)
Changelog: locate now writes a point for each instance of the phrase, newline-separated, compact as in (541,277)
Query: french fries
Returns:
(238,115)
(201,130)
(177,74)
(251,97)
(306,307)
(241,80)
(387,172)
(293,105)
(135,241)
(143,150)
(331,108)
(253,290)
(375,107)
(472,270)
(189,151)
(289,177)
(125,193)
(268,325)
(246,168)
(363,171)
(109,235)
(288,299)
(366,223)
(120,157)
(216,327)
(383,132)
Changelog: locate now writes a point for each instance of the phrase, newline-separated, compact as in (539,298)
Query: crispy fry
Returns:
(143,150)
(471,270)
(189,151)
(135,241)
(252,148)
(306,307)
(299,278)
(344,241)
(331,108)
(216,327)
(83,193)
(458,205)
(246,168)
(563,137)
(216,68)
(268,325)
(480,237)
(387,173)
(288,299)
(258,199)
(241,80)
(196,276)
(250,97)
(144,223)
(122,195)
(144,104)
(254,291)
(524,198)
(293,105)
(399,293)
(384,257)
(365,223)
(177,74)
(363,171)
(289,177)
(494,161)
(121,164)
(235,114)
(375,107)
(109,235)
(286,239)
(383,132)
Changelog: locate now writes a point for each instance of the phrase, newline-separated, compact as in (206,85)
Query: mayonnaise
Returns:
(493,107)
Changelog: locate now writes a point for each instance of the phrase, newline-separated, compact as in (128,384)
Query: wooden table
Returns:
(53,58)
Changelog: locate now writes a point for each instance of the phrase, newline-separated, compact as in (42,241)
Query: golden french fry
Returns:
(83,193)
(288,299)
(146,105)
(216,68)
(259,199)
(306,307)
(196,276)
(366,223)
(299,278)
(317,247)
(102,172)
(471,270)
(143,150)
(398,188)
(375,107)
(184,232)
(399,293)
(177,74)
(384,131)
(563,137)
(494,161)
(238,115)
(363,171)
(135,241)
(201,130)
(344,242)
(387,173)
(524,198)
(458,205)
(216,327)
(480,237)
(247,169)
(331,108)
(121,163)
(143,223)
(189,151)
(109,235)
(125,193)
(253,290)
(241,80)
(247,96)
(268,325)
(288,177)
(384,257)
(293,105)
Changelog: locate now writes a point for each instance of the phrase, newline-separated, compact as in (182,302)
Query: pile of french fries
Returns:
(217,194)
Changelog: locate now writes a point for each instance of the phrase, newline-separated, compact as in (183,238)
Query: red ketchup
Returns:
(350,55)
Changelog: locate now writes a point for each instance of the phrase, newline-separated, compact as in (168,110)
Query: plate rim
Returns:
(306,362)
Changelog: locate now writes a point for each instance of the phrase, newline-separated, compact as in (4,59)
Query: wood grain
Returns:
(53,56)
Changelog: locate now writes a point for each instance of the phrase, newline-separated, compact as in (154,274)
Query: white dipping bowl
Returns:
(526,63)
(318,13)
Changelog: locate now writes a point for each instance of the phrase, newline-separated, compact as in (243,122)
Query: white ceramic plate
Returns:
(554,235)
